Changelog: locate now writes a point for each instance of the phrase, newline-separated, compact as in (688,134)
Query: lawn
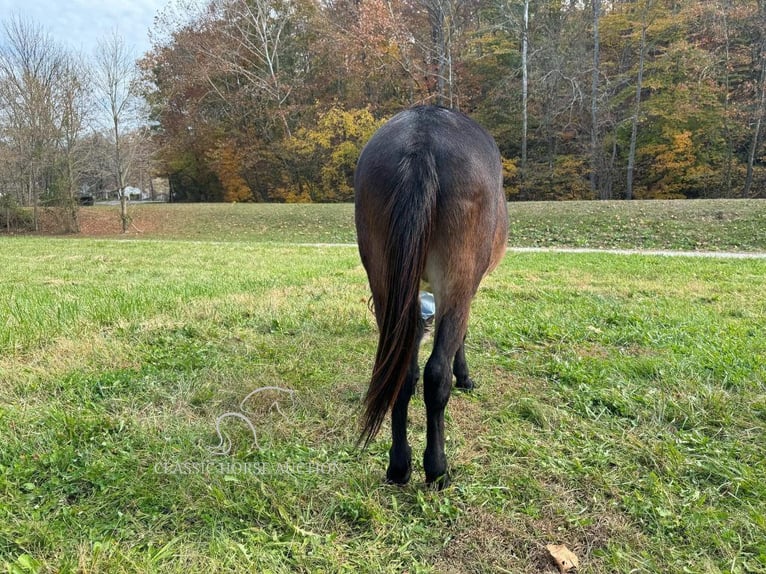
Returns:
(716,224)
(620,410)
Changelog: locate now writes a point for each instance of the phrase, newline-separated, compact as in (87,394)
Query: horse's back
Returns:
(466,164)
(462,150)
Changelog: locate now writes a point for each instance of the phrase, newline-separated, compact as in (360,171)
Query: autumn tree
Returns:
(187,113)
(759,95)
(330,150)
(227,162)
(653,98)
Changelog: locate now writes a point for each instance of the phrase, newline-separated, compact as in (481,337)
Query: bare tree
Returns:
(30,71)
(444,19)
(74,112)
(116,82)
(722,11)
(255,35)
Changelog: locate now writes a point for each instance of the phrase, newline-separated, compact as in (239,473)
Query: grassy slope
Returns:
(691,225)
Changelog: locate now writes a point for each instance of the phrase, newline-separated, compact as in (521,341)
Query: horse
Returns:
(429,207)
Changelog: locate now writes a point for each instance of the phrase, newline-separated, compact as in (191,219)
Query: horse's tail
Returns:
(409,209)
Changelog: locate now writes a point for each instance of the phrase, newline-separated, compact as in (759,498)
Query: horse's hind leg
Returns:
(437,384)
(460,368)
(400,454)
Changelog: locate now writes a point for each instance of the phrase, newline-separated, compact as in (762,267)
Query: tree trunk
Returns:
(757,128)
(33,198)
(120,183)
(727,87)
(437,40)
(636,111)
(441,15)
(124,212)
(71,200)
(594,144)
(609,186)
(524,92)
(761,106)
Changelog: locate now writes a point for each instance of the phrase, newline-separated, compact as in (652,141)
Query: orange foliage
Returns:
(675,168)
(227,163)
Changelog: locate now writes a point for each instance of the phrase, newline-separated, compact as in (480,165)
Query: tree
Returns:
(74,112)
(254,36)
(524,89)
(760,103)
(186,113)
(117,88)
(30,69)
(645,9)
(328,154)
(668,93)
(446,22)
(228,164)
(514,23)
(594,96)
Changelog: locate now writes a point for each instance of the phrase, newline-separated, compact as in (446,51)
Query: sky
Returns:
(79,24)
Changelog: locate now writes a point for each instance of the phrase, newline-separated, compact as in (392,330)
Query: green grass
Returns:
(706,225)
(717,225)
(620,409)
(323,223)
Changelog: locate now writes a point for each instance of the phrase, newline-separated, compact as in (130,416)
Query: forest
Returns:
(272,100)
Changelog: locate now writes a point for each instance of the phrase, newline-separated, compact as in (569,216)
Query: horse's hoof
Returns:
(398,477)
(399,466)
(439,483)
(465,384)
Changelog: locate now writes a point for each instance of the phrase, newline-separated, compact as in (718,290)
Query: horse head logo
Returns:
(267,394)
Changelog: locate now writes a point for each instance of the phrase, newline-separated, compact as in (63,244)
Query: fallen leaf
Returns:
(565,559)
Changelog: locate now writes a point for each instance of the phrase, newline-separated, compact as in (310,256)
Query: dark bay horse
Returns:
(430,207)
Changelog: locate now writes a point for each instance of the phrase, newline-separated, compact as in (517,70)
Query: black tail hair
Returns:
(410,209)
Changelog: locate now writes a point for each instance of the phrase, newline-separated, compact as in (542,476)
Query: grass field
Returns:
(620,410)
(718,225)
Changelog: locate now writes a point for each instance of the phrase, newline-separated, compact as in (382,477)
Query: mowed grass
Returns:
(620,410)
(706,225)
